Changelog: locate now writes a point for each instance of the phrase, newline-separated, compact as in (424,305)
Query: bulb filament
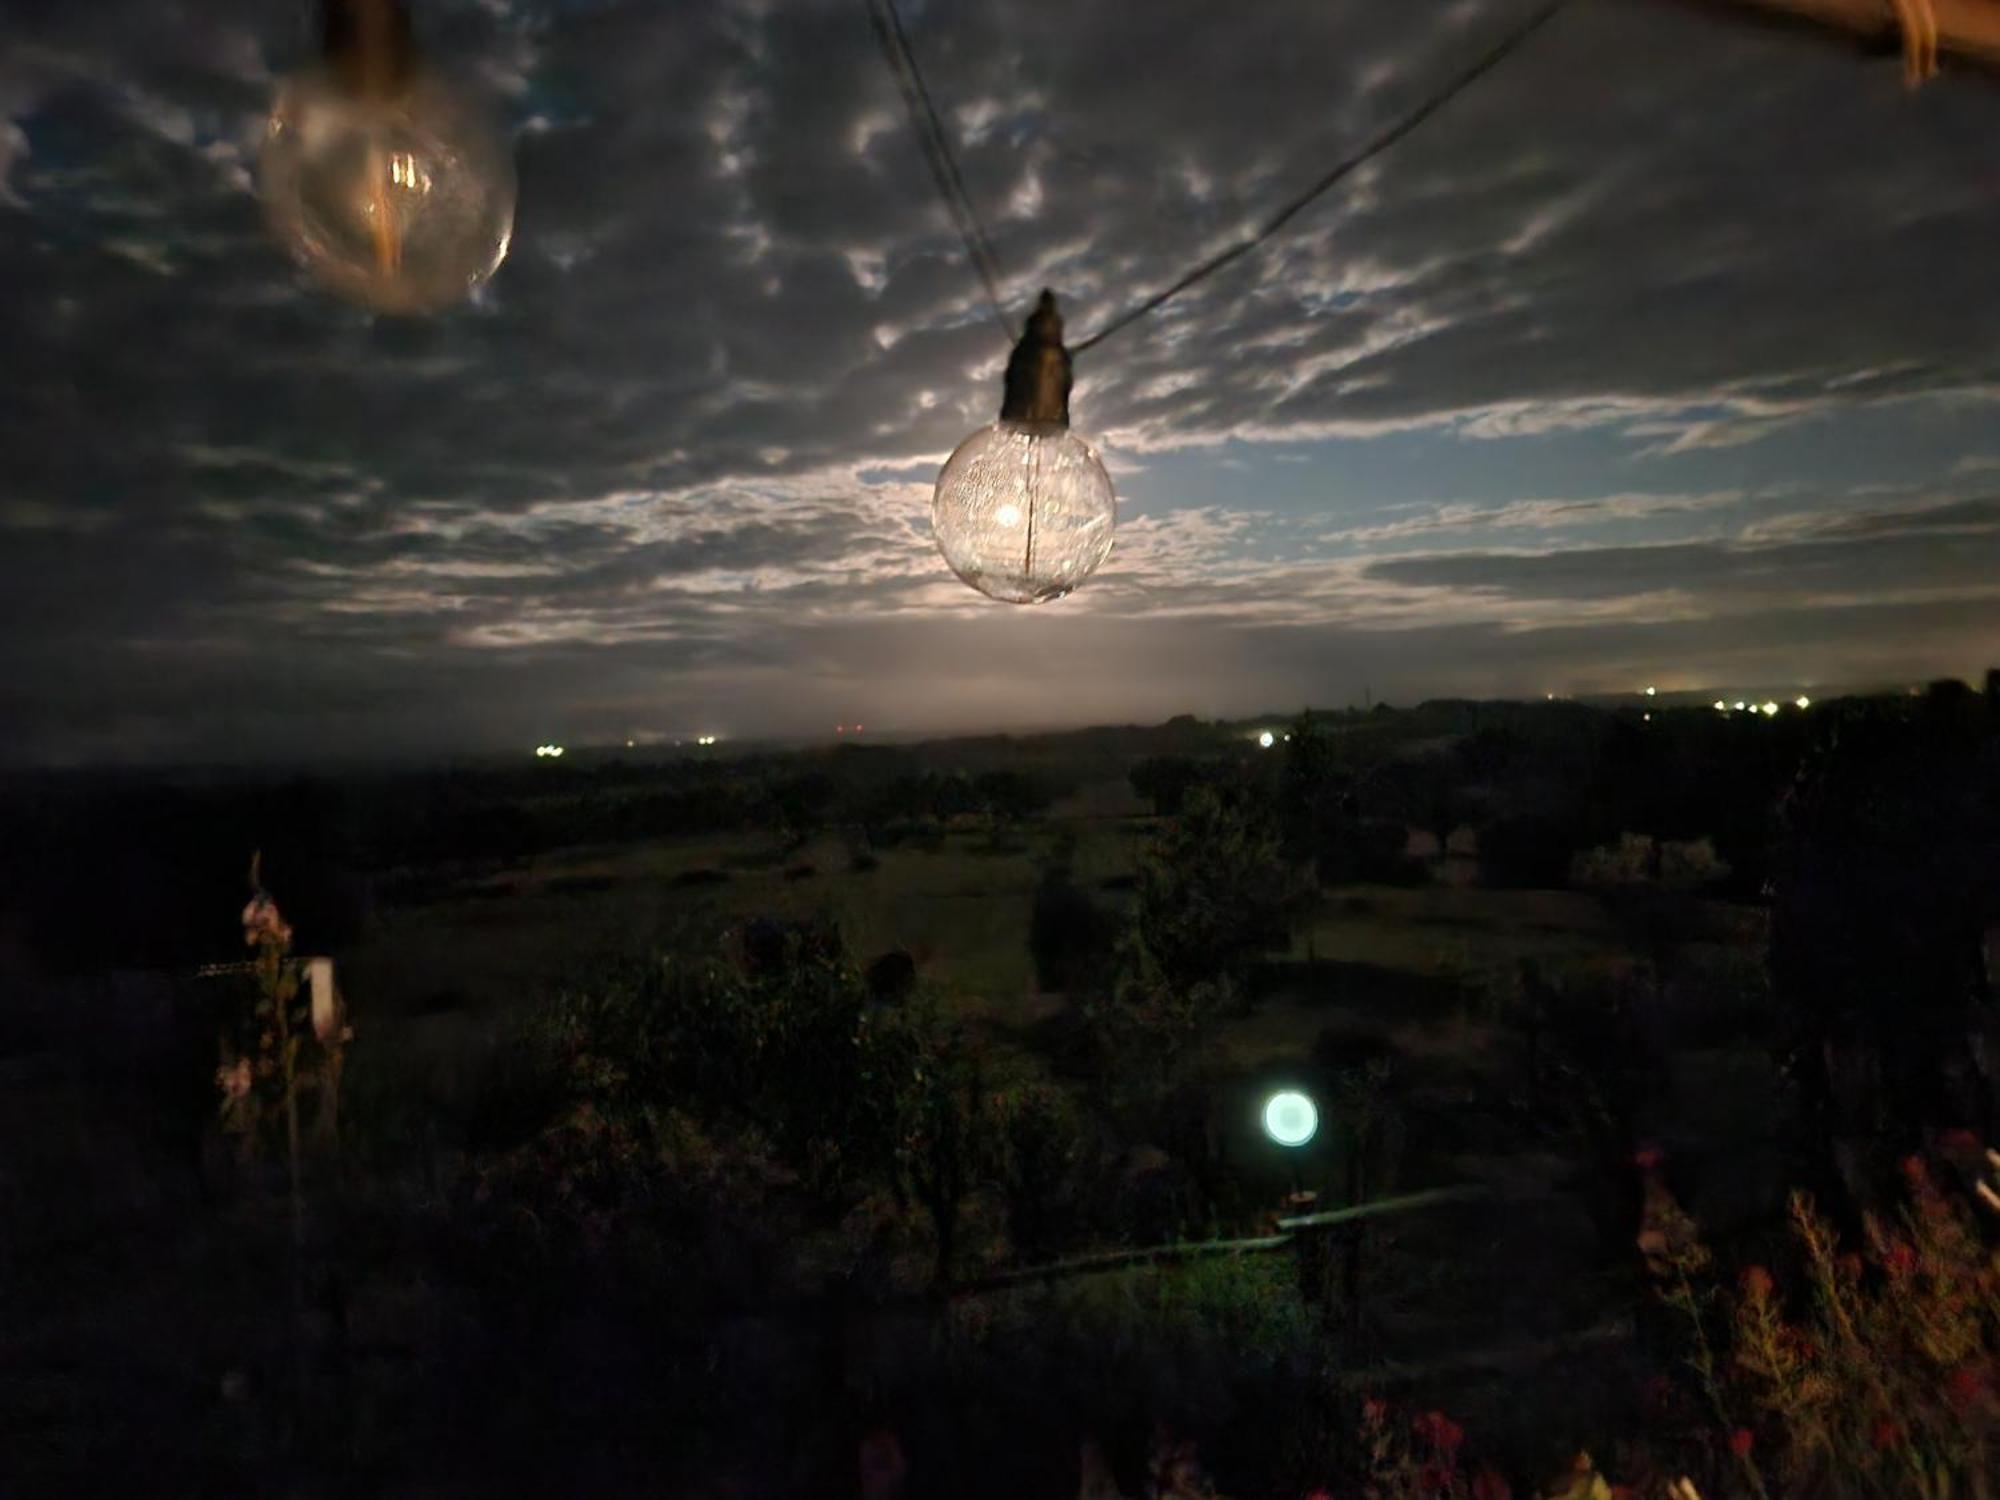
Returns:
(1034,484)
(388,247)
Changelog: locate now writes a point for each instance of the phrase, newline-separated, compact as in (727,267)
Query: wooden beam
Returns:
(1967,29)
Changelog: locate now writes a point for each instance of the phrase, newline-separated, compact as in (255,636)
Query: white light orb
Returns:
(1290,1118)
(1267,739)
(403,202)
(1024,511)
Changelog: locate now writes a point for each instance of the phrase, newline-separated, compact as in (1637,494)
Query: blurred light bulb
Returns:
(1024,510)
(392,188)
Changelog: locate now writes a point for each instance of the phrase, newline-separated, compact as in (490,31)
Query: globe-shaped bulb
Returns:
(1024,511)
(403,201)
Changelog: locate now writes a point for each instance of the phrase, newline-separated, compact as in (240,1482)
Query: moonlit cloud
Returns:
(1673,342)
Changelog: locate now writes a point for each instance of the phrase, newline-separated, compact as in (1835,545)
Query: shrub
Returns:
(1042,1157)
(892,977)
(1070,937)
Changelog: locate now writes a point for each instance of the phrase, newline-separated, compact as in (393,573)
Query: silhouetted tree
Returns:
(1884,885)
(947,1140)
(1071,937)
(1214,891)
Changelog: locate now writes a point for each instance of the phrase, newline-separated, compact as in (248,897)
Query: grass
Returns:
(962,910)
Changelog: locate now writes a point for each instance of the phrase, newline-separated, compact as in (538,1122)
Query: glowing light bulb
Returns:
(390,187)
(1024,510)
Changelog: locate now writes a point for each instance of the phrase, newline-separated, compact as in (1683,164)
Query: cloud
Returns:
(1938,553)
(674,460)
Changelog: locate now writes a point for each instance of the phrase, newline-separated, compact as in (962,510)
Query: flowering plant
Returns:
(290,1015)
(1881,1375)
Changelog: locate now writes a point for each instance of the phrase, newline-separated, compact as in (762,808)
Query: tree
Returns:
(1071,937)
(1215,891)
(1316,805)
(946,1138)
(1884,875)
(1040,1149)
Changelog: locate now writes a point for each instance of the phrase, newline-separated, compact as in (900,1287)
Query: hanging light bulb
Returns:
(1024,510)
(389,186)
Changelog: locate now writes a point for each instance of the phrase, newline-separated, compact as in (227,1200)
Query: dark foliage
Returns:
(1071,937)
(892,977)
(1886,881)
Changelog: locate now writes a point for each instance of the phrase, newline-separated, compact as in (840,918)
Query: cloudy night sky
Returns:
(1669,353)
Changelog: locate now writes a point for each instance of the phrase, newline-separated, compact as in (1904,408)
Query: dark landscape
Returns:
(705,1119)
(1000,750)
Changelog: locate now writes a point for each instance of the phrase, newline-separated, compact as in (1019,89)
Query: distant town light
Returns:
(1290,1118)
(1741,705)
(1647,717)
(1771,710)
(1802,701)
(1651,691)
(1721,707)
(1267,739)
(706,739)
(548,751)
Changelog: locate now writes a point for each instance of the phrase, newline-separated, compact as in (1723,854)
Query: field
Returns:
(1413,978)
(456,966)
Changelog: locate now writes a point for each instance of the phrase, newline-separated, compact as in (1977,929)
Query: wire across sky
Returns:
(950,181)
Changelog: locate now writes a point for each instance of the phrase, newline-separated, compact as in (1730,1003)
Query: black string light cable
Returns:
(943,164)
(1498,53)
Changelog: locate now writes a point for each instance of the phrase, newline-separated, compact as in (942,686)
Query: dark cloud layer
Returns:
(659,478)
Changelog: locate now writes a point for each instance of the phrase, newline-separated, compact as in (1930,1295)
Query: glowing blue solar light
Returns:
(1290,1118)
